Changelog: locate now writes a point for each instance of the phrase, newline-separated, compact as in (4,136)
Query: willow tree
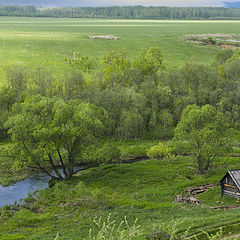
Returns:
(48,133)
(207,131)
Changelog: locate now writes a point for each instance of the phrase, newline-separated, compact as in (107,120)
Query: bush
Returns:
(106,154)
(180,147)
(210,41)
(160,151)
(223,56)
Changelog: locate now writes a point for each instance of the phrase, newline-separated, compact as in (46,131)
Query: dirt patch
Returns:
(228,46)
(192,191)
(188,200)
(213,35)
(106,37)
(224,41)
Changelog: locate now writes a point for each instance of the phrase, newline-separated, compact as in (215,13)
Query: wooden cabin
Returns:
(230,183)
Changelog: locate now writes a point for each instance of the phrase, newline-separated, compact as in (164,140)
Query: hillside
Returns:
(144,190)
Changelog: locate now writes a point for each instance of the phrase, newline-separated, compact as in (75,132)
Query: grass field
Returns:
(46,41)
(143,190)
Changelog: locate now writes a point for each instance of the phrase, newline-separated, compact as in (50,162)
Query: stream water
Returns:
(20,190)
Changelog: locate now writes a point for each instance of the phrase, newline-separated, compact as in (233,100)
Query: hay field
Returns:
(46,41)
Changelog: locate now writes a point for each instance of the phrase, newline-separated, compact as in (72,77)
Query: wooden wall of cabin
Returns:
(229,187)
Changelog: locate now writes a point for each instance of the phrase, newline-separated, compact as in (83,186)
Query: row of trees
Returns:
(136,12)
(51,121)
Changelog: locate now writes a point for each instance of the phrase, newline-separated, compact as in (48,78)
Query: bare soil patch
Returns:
(228,46)
(107,37)
(189,200)
(192,191)
(224,41)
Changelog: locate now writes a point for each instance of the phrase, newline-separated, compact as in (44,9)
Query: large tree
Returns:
(48,133)
(207,131)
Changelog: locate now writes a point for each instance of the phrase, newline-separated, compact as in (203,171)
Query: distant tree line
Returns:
(135,12)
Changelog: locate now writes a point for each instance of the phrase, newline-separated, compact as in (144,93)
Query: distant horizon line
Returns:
(74,4)
(105,6)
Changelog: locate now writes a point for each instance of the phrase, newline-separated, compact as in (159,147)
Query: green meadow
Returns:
(47,41)
(144,191)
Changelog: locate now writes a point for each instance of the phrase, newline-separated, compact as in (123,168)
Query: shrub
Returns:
(210,41)
(160,151)
(106,154)
(223,56)
(180,148)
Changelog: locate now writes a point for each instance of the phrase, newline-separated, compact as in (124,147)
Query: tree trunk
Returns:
(59,176)
(62,164)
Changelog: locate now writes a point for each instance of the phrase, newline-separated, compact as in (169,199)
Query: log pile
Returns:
(224,207)
(199,189)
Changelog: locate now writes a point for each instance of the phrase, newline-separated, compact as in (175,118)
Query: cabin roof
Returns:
(235,175)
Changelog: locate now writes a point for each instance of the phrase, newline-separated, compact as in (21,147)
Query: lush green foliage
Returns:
(108,153)
(143,190)
(160,151)
(48,133)
(207,132)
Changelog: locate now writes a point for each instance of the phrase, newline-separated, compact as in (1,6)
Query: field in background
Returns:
(47,41)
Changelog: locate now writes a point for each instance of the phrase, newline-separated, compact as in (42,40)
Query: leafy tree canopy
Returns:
(206,129)
(49,132)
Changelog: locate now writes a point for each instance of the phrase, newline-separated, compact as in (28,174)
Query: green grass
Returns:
(46,41)
(143,190)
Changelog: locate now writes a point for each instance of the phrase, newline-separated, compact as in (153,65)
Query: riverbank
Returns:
(143,190)
(130,150)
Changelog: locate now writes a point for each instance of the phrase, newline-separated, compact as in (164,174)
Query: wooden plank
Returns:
(230,186)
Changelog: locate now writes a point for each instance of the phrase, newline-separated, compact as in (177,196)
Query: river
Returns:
(20,190)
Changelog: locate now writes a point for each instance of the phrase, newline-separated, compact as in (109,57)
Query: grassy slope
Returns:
(143,190)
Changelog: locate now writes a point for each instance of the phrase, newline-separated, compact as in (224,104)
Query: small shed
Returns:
(230,183)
